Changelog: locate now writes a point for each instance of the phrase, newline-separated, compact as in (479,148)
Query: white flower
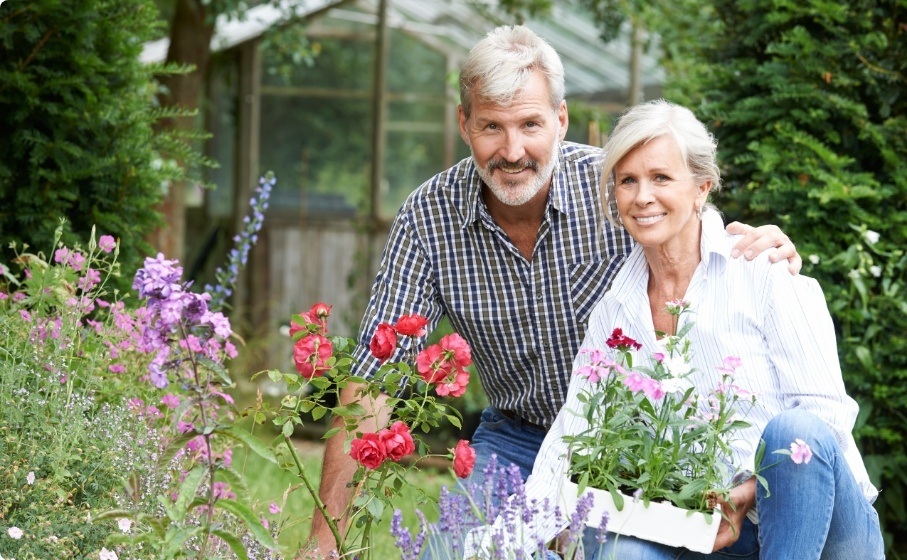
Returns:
(52,538)
(124,524)
(14,532)
(676,385)
(30,478)
(854,273)
(814,258)
(875,270)
(676,366)
(871,236)
(107,555)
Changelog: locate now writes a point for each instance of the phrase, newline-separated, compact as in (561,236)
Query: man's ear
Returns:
(461,118)
(563,119)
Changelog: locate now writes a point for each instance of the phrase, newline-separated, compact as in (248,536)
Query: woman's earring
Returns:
(699,211)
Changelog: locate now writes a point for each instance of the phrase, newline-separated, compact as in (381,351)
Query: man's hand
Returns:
(337,471)
(743,498)
(755,241)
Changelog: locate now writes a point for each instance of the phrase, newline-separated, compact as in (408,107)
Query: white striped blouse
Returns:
(776,323)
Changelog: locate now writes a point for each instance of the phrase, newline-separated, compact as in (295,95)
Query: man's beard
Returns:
(518,192)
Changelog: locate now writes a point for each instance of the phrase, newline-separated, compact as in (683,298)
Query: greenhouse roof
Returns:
(454,26)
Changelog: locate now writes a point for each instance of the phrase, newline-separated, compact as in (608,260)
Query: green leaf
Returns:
(187,492)
(247,516)
(252,442)
(375,508)
(234,542)
(287,429)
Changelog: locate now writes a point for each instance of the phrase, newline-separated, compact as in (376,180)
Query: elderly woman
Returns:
(659,169)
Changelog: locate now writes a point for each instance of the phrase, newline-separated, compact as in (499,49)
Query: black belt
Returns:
(517,418)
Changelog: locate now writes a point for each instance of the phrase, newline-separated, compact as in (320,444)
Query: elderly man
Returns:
(512,246)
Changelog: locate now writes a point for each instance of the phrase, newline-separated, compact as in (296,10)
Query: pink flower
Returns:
(635,381)
(411,325)
(384,342)
(368,450)
(459,348)
(464,459)
(398,442)
(116,368)
(730,364)
(445,364)
(653,388)
(310,354)
(106,243)
(455,386)
(274,508)
(170,400)
(800,452)
(432,365)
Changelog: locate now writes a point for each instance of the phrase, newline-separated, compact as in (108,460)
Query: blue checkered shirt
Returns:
(524,320)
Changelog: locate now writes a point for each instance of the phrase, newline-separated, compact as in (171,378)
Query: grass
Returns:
(269,483)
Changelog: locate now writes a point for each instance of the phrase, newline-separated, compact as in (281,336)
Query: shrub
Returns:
(76,114)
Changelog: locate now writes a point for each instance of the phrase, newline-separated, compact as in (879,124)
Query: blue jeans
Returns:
(512,441)
(815,510)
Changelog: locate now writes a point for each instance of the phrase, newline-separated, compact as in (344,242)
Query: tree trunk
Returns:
(190,44)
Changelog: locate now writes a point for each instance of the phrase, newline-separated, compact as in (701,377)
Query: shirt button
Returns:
(538,296)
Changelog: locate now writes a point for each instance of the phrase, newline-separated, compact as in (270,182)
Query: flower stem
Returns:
(332,525)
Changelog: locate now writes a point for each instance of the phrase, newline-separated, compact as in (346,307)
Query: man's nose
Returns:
(513,149)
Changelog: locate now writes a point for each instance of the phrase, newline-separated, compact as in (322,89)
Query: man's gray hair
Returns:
(499,66)
(651,120)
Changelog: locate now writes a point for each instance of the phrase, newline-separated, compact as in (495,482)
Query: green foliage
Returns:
(77,136)
(809,104)
(67,439)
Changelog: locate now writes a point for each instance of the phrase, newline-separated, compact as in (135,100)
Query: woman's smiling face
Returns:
(657,196)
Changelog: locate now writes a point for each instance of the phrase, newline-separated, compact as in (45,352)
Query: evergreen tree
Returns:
(76,115)
(809,104)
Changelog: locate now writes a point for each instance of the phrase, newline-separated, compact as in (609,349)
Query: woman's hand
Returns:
(743,498)
(755,241)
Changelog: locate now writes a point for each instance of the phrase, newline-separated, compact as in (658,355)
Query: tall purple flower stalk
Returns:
(239,255)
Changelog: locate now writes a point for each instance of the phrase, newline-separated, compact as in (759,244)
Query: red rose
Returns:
(316,320)
(384,342)
(433,365)
(621,341)
(311,353)
(464,458)
(368,450)
(411,325)
(458,348)
(398,442)
(455,387)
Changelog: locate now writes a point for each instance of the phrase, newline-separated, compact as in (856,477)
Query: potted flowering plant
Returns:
(652,436)
(385,457)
